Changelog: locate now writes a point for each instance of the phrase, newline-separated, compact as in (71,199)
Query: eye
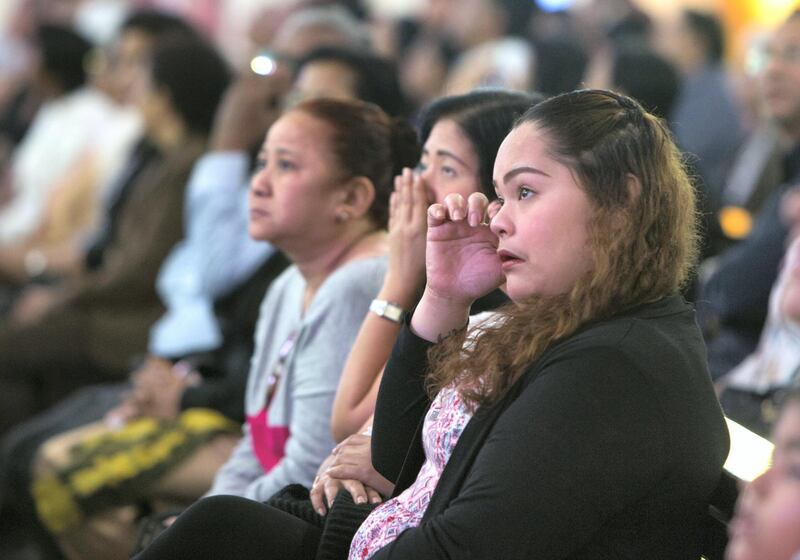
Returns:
(500,201)
(420,168)
(448,171)
(285,165)
(524,192)
(261,163)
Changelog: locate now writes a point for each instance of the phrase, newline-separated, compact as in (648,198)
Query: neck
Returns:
(168,133)
(321,260)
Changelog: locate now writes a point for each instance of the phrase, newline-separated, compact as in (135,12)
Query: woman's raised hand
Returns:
(407,230)
(461,257)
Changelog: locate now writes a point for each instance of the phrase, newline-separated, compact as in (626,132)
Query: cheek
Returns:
(780,524)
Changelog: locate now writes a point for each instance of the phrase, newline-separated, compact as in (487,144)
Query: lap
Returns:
(234,527)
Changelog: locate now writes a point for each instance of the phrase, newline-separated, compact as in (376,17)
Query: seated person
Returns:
(307,321)
(90,330)
(571,390)
(767,521)
(750,391)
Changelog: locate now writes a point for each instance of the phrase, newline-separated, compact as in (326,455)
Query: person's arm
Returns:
(405,277)
(582,442)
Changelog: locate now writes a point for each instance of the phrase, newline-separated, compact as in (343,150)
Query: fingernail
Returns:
(361,500)
(321,511)
(439,213)
(474,219)
(376,500)
(458,214)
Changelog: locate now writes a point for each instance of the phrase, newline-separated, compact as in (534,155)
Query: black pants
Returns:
(233,527)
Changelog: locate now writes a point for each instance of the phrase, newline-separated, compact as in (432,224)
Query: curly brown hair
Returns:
(642,236)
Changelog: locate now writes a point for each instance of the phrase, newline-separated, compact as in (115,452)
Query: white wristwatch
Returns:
(387,310)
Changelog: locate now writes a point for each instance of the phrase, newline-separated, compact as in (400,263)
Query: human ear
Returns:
(356,198)
(634,186)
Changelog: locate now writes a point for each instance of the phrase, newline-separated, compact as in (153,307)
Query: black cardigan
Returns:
(608,447)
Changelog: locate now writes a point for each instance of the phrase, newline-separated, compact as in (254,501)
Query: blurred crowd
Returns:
(129,131)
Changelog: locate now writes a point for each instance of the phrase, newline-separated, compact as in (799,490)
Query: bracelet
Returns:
(388,310)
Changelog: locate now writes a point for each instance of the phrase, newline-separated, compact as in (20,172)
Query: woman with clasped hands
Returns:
(581,422)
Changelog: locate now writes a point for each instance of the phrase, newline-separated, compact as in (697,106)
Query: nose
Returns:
(259,182)
(501,224)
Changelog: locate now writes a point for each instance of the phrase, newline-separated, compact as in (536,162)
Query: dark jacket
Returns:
(608,447)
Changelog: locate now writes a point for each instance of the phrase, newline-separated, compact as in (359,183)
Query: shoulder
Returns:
(356,277)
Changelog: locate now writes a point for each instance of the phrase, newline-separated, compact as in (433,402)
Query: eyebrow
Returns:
(449,154)
(524,169)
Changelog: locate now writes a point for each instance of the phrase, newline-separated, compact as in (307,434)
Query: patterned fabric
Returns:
(113,467)
(444,424)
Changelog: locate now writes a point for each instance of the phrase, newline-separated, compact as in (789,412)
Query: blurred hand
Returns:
(34,303)
(349,467)
(461,259)
(407,234)
(158,387)
(250,106)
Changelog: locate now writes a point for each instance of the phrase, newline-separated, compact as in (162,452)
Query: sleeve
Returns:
(216,211)
(329,333)
(732,306)
(401,404)
(239,470)
(528,494)
(150,227)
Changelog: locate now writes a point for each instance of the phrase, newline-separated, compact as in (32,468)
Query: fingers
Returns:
(316,495)
(455,208)
(356,489)
(476,208)
(373,496)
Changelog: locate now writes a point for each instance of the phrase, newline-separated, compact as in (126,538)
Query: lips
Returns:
(508,259)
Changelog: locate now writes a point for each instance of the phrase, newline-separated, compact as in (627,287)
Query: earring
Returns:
(342,217)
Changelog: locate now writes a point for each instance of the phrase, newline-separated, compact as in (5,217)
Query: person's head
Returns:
(310,28)
(558,66)
(621,228)
(596,215)
(767,521)
(779,85)
(326,168)
(694,40)
(62,55)
(132,46)
(477,21)
(460,135)
(184,79)
(640,72)
(343,73)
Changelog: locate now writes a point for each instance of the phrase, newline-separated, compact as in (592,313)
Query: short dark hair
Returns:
(157,23)
(376,77)
(560,65)
(646,76)
(708,28)
(518,14)
(194,75)
(486,117)
(366,142)
(63,55)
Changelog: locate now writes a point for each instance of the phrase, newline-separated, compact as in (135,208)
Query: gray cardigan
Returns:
(304,396)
